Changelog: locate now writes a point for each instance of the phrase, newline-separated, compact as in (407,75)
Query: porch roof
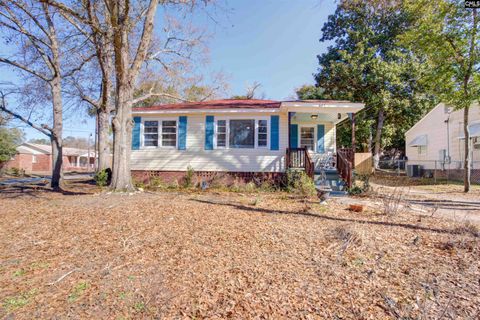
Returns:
(254,105)
(322,106)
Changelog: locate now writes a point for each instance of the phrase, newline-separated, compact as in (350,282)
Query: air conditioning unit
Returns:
(414,170)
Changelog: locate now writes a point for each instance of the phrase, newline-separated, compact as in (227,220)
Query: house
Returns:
(437,141)
(37,158)
(243,139)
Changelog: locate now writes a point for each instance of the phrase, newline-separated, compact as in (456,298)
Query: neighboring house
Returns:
(37,158)
(240,138)
(437,140)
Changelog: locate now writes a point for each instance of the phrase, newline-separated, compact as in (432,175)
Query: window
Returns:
(262,133)
(34,159)
(169,133)
(307,135)
(242,133)
(160,133)
(150,134)
(422,150)
(221,133)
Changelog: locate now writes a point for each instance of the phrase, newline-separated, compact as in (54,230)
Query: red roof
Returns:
(217,104)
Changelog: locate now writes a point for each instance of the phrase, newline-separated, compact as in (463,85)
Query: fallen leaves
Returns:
(222,255)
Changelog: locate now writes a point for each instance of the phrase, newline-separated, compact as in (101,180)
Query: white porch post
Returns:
(78,161)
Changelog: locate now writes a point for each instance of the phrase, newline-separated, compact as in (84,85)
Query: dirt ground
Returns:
(227,255)
(426,197)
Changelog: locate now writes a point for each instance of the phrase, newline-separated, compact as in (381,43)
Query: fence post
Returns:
(435,173)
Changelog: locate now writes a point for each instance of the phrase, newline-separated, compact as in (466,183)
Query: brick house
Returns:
(37,158)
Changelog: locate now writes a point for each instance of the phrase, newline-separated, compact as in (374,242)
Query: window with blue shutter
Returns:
(182,133)
(320,138)
(293,135)
(209,130)
(274,132)
(136,133)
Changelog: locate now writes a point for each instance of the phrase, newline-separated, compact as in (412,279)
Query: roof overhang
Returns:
(419,141)
(321,107)
(190,111)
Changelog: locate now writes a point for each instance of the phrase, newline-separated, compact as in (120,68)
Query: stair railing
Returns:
(345,159)
(299,158)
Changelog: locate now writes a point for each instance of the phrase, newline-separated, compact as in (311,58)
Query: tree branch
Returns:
(153,94)
(73,13)
(43,129)
(25,68)
(146,36)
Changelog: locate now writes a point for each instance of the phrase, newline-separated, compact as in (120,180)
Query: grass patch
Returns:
(78,291)
(16,302)
(19,273)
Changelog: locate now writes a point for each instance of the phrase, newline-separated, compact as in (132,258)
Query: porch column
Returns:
(288,126)
(353,133)
(78,161)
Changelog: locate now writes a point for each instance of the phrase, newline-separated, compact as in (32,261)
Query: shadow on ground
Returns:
(326,217)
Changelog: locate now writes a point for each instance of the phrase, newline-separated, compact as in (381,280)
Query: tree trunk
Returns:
(103,143)
(122,137)
(378,138)
(56,138)
(466,164)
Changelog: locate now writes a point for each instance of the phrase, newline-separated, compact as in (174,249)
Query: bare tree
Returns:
(33,25)
(131,24)
(92,20)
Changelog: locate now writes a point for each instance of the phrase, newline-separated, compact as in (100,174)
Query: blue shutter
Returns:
(136,133)
(182,133)
(320,138)
(293,134)
(209,133)
(274,140)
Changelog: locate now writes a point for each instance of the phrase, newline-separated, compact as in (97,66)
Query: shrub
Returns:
(101,178)
(155,183)
(299,183)
(189,177)
(363,188)
(17,172)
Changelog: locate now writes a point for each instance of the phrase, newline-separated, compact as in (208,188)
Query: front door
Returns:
(307,137)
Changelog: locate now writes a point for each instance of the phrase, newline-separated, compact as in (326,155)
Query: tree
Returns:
(368,64)
(131,24)
(39,141)
(447,34)
(251,92)
(34,27)
(77,142)
(10,138)
(309,92)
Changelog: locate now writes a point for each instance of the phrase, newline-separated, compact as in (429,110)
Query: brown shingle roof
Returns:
(216,104)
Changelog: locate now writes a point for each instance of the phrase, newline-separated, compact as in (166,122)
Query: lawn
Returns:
(229,255)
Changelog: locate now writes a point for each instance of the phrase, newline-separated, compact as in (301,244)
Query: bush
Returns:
(363,188)
(17,172)
(189,177)
(299,183)
(101,178)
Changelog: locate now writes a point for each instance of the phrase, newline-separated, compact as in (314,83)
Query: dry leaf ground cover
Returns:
(225,255)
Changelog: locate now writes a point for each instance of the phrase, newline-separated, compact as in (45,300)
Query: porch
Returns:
(312,141)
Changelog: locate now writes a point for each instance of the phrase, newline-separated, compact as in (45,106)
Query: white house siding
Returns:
(433,125)
(195,155)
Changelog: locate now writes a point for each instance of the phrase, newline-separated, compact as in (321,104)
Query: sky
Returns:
(273,42)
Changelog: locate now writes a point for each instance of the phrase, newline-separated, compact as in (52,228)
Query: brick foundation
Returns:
(217,178)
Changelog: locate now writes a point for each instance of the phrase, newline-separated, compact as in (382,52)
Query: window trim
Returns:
(240,117)
(160,125)
(315,138)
